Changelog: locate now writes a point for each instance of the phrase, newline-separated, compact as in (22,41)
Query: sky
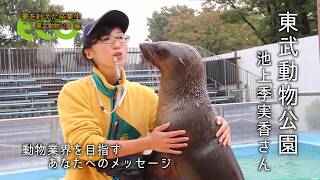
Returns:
(137,10)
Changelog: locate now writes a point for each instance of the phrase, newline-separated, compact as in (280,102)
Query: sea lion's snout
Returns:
(147,52)
(165,55)
(157,53)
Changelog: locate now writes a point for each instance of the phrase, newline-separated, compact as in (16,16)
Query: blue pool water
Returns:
(35,174)
(304,166)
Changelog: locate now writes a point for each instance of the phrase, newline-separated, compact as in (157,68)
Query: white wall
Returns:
(307,60)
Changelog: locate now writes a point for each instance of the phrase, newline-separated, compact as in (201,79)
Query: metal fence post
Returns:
(225,77)
(54,130)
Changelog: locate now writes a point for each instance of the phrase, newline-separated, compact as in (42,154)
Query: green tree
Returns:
(160,20)
(10,12)
(262,16)
(210,32)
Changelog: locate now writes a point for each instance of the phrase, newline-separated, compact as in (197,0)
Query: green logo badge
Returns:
(24,29)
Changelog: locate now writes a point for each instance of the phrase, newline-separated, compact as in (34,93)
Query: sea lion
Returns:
(184,101)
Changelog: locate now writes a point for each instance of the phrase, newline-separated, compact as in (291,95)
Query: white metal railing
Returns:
(242,119)
(220,108)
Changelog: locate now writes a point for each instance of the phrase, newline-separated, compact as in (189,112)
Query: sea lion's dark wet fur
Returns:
(184,101)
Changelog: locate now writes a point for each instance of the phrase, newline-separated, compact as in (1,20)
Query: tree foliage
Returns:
(10,12)
(161,19)
(228,25)
(263,16)
(207,29)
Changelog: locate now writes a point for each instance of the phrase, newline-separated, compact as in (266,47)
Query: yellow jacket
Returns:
(83,122)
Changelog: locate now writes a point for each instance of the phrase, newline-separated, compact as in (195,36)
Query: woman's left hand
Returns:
(224,132)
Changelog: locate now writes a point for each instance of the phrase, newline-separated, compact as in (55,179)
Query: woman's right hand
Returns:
(167,142)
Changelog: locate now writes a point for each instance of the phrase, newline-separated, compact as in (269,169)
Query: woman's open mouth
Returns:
(117,54)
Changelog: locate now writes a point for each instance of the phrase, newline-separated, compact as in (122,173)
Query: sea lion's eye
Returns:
(161,52)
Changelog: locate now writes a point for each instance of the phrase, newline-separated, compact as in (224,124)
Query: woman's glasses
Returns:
(113,39)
